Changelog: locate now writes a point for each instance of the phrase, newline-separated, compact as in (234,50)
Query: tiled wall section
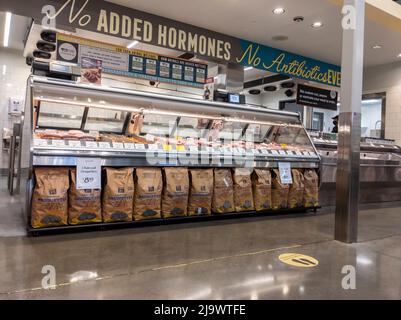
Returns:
(13,75)
(387,78)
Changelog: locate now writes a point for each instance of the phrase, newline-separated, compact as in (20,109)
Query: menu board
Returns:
(151,67)
(137,64)
(164,69)
(189,74)
(177,72)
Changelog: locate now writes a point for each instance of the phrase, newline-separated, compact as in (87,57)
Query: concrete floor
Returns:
(232,259)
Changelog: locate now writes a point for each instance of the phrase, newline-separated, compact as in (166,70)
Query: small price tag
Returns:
(299,153)
(193,149)
(91,144)
(227,150)
(240,150)
(118,145)
(153,147)
(264,151)
(104,145)
(58,143)
(274,152)
(129,146)
(167,147)
(74,144)
(139,146)
(180,148)
(282,152)
(40,142)
(312,154)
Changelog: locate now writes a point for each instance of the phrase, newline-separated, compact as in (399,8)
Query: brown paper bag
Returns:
(50,198)
(223,194)
(201,192)
(175,192)
(311,193)
(296,193)
(279,191)
(148,193)
(84,205)
(262,189)
(243,197)
(118,195)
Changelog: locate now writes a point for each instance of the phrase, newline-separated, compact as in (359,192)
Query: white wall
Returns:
(387,78)
(13,75)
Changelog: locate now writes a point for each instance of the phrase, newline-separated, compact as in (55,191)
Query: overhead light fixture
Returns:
(248,68)
(399,56)
(7,26)
(278,10)
(132,44)
(377,46)
(317,24)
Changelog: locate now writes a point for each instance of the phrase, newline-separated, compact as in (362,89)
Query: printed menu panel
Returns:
(189,74)
(151,67)
(164,69)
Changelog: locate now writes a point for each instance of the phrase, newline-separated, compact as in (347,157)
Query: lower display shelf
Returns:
(157,222)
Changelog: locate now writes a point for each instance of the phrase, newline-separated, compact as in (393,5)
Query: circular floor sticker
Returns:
(298,260)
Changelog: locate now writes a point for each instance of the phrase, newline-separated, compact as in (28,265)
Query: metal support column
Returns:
(346,218)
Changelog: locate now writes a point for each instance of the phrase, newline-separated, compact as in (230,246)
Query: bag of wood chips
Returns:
(243,197)
(279,191)
(175,192)
(223,194)
(311,193)
(262,189)
(118,195)
(201,192)
(148,193)
(296,193)
(84,205)
(50,198)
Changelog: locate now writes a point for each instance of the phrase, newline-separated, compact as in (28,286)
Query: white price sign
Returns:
(264,151)
(274,152)
(129,146)
(118,145)
(104,145)
(74,144)
(58,143)
(153,147)
(285,172)
(40,142)
(139,146)
(89,173)
(240,150)
(193,149)
(91,144)
(299,153)
(282,152)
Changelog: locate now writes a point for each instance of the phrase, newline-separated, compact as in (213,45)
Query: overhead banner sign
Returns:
(111,19)
(131,63)
(317,97)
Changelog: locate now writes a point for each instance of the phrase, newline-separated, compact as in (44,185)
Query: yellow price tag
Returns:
(167,147)
(180,148)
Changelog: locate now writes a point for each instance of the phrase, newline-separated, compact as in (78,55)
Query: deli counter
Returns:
(380,169)
(126,128)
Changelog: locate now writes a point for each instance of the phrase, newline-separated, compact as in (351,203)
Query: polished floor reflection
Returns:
(236,259)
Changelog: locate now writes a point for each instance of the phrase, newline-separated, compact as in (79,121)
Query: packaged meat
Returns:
(296,192)
(279,191)
(262,189)
(223,194)
(50,198)
(118,195)
(148,193)
(311,193)
(201,192)
(243,197)
(175,192)
(84,206)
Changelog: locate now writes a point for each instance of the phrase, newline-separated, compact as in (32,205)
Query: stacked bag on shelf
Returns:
(153,193)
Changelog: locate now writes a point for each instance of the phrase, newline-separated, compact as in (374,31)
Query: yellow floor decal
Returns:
(298,260)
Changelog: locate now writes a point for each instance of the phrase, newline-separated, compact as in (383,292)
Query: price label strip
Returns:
(58,143)
(129,146)
(139,146)
(104,145)
(153,147)
(282,152)
(180,148)
(74,144)
(118,145)
(40,143)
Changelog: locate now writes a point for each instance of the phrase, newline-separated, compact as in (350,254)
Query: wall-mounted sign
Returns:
(111,19)
(132,63)
(317,97)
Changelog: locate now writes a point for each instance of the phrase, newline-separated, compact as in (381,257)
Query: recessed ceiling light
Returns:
(132,44)
(377,46)
(278,10)
(7,26)
(248,68)
(399,56)
(317,24)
